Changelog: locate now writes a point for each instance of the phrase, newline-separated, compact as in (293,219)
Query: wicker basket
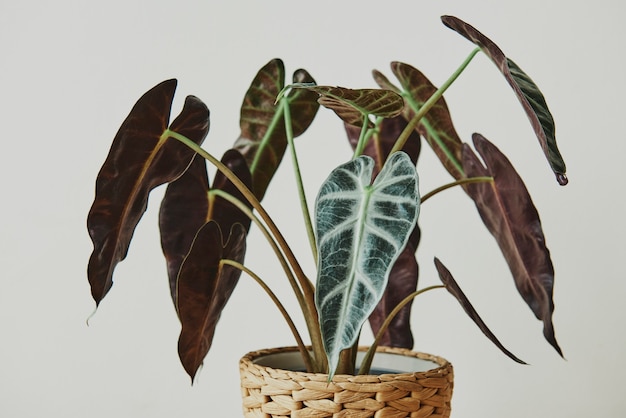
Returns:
(270,392)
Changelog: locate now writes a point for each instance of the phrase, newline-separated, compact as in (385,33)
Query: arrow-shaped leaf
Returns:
(204,288)
(526,90)
(361,227)
(141,158)
(353,105)
(263,140)
(404,274)
(508,211)
(452,287)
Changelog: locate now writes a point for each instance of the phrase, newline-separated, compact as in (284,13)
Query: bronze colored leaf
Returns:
(526,90)
(404,274)
(452,287)
(140,159)
(188,204)
(509,214)
(204,287)
(263,140)
(436,127)
(352,105)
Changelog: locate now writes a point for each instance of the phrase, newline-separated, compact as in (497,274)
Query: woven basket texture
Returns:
(273,393)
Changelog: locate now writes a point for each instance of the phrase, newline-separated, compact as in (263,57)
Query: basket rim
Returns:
(443,365)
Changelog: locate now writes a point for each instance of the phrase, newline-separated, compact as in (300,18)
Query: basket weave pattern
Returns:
(274,393)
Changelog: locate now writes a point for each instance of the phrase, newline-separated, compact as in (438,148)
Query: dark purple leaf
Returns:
(452,287)
(507,210)
(526,90)
(263,140)
(204,287)
(140,159)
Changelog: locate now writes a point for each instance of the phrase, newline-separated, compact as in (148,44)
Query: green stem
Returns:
(366,364)
(298,175)
(306,357)
(404,136)
(460,182)
(360,145)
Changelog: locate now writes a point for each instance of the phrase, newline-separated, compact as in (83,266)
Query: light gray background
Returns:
(71,71)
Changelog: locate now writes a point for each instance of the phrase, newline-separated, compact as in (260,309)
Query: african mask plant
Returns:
(364,235)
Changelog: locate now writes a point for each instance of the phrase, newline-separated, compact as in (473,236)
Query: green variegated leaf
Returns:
(353,105)
(525,89)
(405,272)
(361,227)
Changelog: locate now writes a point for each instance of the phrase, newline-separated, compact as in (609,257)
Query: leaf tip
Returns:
(562,179)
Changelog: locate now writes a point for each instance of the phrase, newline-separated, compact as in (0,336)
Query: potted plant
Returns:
(363,235)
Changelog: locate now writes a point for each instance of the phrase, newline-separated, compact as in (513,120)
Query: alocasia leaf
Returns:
(525,89)
(436,127)
(452,287)
(189,203)
(141,158)
(509,214)
(404,274)
(204,287)
(263,140)
(361,228)
(353,105)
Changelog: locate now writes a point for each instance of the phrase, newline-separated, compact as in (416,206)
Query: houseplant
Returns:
(365,234)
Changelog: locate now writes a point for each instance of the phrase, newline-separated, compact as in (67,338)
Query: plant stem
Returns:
(306,214)
(422,111)
(460,182)
(360,145)
(306,357)
(366,364)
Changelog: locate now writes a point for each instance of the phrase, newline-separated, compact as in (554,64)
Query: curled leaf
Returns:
(361,227)
(353,105)
(452,287)
(526,90)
